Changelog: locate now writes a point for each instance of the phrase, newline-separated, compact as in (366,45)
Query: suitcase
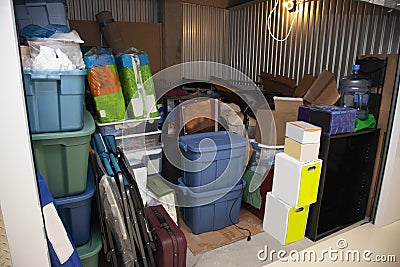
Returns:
(170,240)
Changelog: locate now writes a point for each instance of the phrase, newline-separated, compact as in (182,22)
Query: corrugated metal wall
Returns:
(204,39)
(326,35)
(122,10)
(204,33)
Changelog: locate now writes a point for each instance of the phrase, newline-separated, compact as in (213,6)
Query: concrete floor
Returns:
(244,253)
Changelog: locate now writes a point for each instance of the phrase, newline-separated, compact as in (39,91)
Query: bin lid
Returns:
(94,245)
(88,128)
(223,140)
(89,192)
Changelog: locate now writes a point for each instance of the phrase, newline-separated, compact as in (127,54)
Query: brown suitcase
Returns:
(170,240)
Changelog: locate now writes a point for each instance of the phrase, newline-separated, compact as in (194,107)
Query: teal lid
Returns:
(88,129)
(94,245)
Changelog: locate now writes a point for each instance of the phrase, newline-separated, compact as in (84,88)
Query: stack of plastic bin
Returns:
(296,179)
(61,131)
(211,186)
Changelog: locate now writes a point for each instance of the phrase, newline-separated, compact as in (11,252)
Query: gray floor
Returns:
(243,252)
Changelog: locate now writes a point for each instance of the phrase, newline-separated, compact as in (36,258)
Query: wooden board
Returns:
(204,242)
(144,36)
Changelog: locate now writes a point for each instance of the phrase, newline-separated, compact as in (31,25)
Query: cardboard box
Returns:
(324,90)
(286,224)
(271,124)
(295,182)
(304,85)
(201,116)
(303,132)
(301,152)
(278,85)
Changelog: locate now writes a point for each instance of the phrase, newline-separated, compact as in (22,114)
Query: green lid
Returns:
(88,129)
(157,186)
(94,245)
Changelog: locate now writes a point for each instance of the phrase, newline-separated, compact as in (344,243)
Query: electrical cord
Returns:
(230,214)
(269,24)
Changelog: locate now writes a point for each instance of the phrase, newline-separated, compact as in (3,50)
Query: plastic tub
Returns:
(203,171)
(62,158)
(89,252)
(41,13)
(218,214)
(128,127)
(134,142)
(54,99)
(151,158)
(75,212)
(263,157)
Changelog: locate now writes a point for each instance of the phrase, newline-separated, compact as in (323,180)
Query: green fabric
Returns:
(148,85)
(130,90)
(109,107)
(369,123)
(253,198)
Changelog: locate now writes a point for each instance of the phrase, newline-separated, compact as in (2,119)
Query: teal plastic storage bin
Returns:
(54,99)
(41,13)
(75,212)
(223,208)
(89,253)
(62,158)
(213,161)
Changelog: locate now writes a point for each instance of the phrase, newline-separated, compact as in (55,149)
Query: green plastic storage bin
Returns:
(89,252)
(62,158)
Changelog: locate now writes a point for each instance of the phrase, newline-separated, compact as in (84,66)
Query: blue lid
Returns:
(222,140)
(98,57)
(125,60)
(356,67)
(209,193)
(143,59)
(90,187)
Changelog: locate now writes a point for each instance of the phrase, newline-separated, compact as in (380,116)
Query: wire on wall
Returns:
(291,24)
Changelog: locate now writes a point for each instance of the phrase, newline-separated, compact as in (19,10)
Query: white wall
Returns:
(18,189)
(388,206)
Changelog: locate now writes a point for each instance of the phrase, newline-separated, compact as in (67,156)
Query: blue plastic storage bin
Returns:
(55,99)
(213,164)
(41,12)
(75,212)
(217,214)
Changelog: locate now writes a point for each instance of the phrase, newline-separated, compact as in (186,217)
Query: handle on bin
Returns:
(312,168)
(48,76)
(299,209)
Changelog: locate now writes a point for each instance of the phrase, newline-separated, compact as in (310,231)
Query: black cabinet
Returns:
(348,162)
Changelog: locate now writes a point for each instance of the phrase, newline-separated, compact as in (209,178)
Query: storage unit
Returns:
(223,208)
(212,160)
(128,127)
(62,158)
(263,157)
(348,161)
(89,252)
(41,13)
(295,182)
(151,158)
(138,141)
(301,152)
(54,99)
(285,223)
(303,132)
(75,212)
